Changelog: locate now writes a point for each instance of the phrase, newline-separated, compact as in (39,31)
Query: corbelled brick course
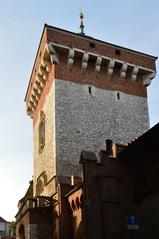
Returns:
(76,41)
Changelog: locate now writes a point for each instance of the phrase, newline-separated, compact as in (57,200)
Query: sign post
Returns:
(133,224)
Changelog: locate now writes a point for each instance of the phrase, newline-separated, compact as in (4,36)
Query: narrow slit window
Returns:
(41,132)
(118,95)
(90,90)
(117,52)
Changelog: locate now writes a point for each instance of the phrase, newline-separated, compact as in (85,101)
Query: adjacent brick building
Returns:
(81,91)
(120,185)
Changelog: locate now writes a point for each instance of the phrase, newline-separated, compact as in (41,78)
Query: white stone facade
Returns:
(45,161)
(86,116)
(81,117)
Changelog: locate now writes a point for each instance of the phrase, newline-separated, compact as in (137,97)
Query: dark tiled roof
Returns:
(146,144)
(2,220)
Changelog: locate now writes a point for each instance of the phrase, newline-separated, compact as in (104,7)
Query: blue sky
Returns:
(129,23)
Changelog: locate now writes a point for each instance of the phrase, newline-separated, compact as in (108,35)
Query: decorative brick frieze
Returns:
(110,68)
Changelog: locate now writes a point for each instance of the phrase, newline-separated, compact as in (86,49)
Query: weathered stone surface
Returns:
(45,161)
(84,120)
(78,118)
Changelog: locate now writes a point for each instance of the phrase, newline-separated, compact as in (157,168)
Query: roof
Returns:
(2,220)
(88,155)
(146,145)
(28,194)
(76,188)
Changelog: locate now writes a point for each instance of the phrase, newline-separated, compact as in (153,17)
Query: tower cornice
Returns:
(86,37)
(56,43)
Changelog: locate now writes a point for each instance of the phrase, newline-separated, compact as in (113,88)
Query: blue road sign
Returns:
(133,220)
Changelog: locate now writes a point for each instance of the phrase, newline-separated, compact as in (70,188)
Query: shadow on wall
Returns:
(22,232)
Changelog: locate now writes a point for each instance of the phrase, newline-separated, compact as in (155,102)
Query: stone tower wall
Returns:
(45,162)
(80,117)
(87,115)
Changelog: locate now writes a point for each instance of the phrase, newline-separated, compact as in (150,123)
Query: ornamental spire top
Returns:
(82,25)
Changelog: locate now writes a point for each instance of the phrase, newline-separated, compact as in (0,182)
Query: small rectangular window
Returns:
(117,52)
(92,44)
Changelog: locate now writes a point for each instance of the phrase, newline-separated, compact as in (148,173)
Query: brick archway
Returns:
(21,232)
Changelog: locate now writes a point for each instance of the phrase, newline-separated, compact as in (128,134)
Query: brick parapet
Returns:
(132,84)
(99,79)
(73,40)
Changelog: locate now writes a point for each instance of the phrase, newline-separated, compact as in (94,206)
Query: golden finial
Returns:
(81,18)
(82,25)
(81,15)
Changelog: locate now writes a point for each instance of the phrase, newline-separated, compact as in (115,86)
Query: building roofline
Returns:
(148,136)
(76,188)
(83,37)
(100,41)
(45,25)
(2,220)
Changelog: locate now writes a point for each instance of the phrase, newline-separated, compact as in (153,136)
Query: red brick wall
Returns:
(108,198)
(45,92)
(65,216)
(37,63)
(100,80)
(75,203)
(42,218)
(75,41)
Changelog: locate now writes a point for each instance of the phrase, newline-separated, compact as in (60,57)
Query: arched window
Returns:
(77,203)
(41,132)
(39,187)
(22,232)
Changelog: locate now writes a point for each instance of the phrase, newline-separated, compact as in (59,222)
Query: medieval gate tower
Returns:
(82,91)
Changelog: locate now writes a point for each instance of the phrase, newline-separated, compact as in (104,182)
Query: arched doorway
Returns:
(22,232)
